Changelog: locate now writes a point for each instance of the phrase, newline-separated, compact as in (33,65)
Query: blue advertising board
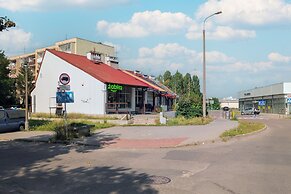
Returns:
(65,97)
(262,102)
(289,100)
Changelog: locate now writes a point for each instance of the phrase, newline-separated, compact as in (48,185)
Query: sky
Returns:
(247,46)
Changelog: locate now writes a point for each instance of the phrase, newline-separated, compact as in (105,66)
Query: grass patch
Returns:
(191,121)
(49,125)
(74,116)
(244,127)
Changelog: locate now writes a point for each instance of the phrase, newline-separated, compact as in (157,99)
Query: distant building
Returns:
(274,98)
(229,102)
(75,46)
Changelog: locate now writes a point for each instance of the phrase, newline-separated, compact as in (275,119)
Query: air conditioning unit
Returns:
(95,57)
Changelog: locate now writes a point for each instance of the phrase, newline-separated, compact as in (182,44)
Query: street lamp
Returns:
(26,96)
(204,64)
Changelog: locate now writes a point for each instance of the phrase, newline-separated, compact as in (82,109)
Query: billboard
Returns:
(65,97)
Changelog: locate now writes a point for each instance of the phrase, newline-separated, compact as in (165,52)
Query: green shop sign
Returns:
(114,87)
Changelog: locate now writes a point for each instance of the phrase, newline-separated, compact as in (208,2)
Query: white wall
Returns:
(88,91)
(229,104)
(263,91)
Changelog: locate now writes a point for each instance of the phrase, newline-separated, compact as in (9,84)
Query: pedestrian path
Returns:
(137,137)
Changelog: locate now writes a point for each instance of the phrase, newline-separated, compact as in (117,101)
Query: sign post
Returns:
(63,95)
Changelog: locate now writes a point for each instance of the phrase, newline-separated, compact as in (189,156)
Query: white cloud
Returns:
(217,57)
(14,40)
(147,23)
(144,23)
(276,57)
(173,57)
(37,5)
(242,67)
(219,32)
(15,5)
(258,12)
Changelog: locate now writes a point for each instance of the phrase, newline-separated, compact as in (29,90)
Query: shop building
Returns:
(98,88)
(274,98)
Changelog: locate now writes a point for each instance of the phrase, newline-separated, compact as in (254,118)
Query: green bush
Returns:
(188,108)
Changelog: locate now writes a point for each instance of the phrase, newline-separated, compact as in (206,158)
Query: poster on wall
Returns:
(65,97)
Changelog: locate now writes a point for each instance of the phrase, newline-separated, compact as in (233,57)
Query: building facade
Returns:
(274,98)
(75,46)
(98,88)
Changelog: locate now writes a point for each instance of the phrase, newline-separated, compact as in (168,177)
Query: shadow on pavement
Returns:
(26,168)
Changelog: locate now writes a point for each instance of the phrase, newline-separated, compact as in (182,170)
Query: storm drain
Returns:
(157,180)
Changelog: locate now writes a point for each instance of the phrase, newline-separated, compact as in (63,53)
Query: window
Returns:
(139,98)
(66,47)
(121,99)
(2,114)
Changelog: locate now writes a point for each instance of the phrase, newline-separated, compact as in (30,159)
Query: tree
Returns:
(7,89)
(196,85)
(5,23)
(20,84)
(188,89)
(167,79)
(214,105)
(187,85)
(177,83)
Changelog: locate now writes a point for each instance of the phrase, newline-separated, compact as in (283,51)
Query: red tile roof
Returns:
(100,71)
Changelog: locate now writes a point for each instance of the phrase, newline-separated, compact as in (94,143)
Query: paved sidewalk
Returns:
(138,136)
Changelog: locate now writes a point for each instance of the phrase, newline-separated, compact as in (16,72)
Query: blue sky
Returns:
(248,45)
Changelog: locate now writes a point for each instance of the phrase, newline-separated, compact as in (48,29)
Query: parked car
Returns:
(250,111)
(11,120)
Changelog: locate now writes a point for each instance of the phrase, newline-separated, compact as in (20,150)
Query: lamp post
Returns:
(204,64)
(26,97)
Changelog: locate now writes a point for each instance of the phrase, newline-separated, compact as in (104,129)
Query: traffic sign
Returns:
(262,102)
(65,87)
(64,79)
(289,100)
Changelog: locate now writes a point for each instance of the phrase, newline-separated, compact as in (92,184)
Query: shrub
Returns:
(188,109)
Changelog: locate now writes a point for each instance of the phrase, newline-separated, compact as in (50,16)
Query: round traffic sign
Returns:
(64,78)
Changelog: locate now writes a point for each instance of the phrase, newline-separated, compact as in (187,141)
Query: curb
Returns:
(57,142)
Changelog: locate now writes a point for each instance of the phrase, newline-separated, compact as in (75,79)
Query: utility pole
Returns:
(26,98)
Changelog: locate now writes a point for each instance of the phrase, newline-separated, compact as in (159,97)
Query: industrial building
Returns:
(274,98)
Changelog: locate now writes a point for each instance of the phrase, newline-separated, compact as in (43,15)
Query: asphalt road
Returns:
(259,163)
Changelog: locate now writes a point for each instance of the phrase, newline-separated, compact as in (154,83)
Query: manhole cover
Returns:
(158,180)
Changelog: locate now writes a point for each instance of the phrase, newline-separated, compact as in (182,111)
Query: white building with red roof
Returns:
(97,88)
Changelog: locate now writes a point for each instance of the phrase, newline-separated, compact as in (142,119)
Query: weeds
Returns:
(191,121)
(244,127)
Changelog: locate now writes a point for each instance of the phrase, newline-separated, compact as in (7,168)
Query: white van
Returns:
(11,120)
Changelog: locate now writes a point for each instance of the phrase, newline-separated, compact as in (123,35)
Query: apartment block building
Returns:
(74,46)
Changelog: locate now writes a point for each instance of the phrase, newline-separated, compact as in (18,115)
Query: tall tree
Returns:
(196,85)
(20,83)
(187,85)
(7,89)
(167,79)
(177,82)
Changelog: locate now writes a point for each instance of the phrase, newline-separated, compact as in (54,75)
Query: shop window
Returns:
(120,99)
(139,98)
